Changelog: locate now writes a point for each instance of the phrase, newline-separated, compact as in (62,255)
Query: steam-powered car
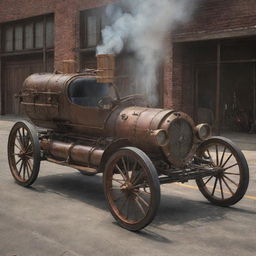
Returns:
(87,126)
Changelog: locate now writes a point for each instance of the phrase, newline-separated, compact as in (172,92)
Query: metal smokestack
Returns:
(105,68)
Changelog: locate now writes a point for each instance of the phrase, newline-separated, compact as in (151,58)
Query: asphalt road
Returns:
(65,213)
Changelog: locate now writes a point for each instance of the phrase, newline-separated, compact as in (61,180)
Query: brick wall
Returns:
(210,16)
(66,13)
(220,15)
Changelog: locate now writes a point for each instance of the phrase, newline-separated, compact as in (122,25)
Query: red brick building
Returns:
(209,72)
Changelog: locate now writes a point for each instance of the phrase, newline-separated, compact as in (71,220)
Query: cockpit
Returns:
(87,92)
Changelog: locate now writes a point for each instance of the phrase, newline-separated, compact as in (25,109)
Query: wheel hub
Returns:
(127,186)
(219,172)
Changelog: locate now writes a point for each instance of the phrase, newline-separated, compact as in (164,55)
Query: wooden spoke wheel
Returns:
(230,181)
(24,153)
(132,188)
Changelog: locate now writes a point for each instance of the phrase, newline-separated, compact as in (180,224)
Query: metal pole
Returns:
(1,79)
(1,89)
(254,98)
(196,94)
(44,45)
(218,84)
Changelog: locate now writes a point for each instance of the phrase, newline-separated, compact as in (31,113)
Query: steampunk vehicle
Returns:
(87,126)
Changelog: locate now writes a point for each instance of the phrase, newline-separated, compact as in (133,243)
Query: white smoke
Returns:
(142,30)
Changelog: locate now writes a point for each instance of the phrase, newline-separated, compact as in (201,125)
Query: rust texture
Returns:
(47,102)
(136,147)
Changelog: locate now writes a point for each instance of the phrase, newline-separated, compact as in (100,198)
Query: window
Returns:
(92,31)
(8,42)
(28,34)
(18,35)
(87,92)
(39,33)
(92,22)
(49,32)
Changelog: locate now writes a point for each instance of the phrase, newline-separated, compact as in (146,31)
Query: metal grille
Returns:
(181,139)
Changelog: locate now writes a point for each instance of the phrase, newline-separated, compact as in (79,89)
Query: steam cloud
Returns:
(142,31)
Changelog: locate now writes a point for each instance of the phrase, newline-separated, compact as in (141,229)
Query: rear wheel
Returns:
(229,184)
(24,153)
(132,188)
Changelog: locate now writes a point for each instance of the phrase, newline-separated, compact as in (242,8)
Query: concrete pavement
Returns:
(65,213)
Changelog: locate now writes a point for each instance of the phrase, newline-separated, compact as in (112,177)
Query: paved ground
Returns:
(65,213)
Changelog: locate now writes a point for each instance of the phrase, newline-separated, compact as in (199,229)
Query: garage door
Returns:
(14,73)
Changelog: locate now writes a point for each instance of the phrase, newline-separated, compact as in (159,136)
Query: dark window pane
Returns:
(29,36)
(18,33)
(92,31)
(8,46)
(39,34)
(49,32)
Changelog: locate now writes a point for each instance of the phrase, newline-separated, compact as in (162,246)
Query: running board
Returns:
(86,170)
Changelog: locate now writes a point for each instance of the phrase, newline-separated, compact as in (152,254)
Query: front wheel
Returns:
(24,153)
(132,188)
(230,181)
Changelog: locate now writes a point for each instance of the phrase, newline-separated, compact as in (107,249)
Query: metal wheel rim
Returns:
(133,187)
(227,182)
(21,153)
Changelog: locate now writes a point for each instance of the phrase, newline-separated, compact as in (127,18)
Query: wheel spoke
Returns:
(24,171)
(210,157)
(208,180)
(28,146)
(230,166)
(231,191)
(29,153)
(126,169)
(143,192)
(227,160)
(24,137)
(29,165)
(119,181)
(18,146)
(20,169)
(121,172)
(115,188)
(214,187)
(222,157)
(217,155)
(230,180)
(141,185)
(231,173)
(138,178)
(221,189)
(140,206)
(20,140)
(141,199)
(18,161)
(27,169)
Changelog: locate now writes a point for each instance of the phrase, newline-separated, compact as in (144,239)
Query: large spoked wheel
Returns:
(24,153)
(132,188)
(229,184)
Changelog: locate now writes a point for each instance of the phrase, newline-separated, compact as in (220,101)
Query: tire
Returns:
(132,188)
(230,184)
(24,153)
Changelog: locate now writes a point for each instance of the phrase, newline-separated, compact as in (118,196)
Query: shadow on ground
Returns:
(173,210)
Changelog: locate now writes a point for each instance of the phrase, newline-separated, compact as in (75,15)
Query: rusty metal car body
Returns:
(87,126)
